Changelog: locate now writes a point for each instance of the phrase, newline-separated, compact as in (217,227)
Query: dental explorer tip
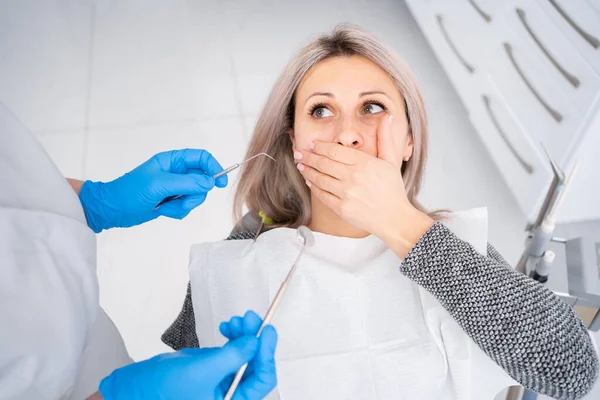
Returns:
(265,154)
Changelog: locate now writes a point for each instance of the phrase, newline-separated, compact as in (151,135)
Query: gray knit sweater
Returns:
(521,325)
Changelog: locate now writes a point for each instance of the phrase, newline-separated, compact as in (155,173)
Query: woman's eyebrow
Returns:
(320,94)
(361,94)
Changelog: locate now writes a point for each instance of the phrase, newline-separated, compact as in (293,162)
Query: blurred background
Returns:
(106,84)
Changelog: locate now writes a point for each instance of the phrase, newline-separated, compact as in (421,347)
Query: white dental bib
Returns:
(350,326)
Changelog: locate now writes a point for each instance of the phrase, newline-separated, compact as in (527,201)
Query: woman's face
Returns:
(343,100)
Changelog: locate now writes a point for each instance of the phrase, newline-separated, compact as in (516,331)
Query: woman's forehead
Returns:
(346,75)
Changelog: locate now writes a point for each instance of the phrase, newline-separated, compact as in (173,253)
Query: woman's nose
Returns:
(349,135)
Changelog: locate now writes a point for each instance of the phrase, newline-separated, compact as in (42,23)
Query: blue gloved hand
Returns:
(132,199)
(261,368)
(202,373)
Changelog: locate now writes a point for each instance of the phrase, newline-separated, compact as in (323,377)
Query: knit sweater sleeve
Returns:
(520,324)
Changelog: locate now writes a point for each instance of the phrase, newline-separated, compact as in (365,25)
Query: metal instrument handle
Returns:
(226,171)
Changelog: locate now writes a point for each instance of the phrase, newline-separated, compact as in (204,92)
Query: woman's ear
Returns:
(293,138)
(408,150)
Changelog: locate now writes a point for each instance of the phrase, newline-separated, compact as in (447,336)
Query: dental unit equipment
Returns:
(215,176)
(541,231)
(556,186)
(542,268)
(307,239)
(236,166)
(575,259)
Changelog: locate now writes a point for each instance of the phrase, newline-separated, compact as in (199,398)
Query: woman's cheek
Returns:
(368,128)
(317,130)
(370,120)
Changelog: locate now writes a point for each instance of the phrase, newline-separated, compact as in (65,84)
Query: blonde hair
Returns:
(279,189)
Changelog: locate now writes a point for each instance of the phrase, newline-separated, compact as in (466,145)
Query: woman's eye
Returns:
(373,108)
(322,112)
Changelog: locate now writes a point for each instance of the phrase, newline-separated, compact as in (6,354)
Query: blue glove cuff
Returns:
(106,388)
(89,200)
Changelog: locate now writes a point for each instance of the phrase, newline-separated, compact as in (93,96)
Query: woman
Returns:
(347,125)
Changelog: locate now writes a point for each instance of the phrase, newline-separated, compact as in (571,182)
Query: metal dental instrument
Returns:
(307,239)
(235,166)
(215,176)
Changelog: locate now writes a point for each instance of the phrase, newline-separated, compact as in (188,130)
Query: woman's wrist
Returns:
(96,396)
(405,230)
(76,184)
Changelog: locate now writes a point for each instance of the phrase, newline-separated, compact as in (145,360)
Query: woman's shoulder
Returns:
(245,235)
(234,240)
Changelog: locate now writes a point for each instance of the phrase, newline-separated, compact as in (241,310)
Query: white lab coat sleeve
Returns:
(48,284)
(48,302)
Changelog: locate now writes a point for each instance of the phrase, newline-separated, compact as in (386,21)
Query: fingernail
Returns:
(300,166)
(297,155)
(390,119)
(308,184)
(311,145)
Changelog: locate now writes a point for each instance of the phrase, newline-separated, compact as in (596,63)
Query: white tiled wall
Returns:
(106,84)
(44,62)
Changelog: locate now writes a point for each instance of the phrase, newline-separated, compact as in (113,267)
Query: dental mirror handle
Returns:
(238,376)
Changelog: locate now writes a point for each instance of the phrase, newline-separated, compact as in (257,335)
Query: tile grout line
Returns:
(88,99)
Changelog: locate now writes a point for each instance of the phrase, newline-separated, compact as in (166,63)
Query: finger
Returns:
(385,141)
(211,166)
(325,165)
(251,323)
(191,202)
(225,385)
(331,201)
(236,327)
(191,351)
(182,184)
(264,379)
(173,209)
(229,358)
(186,159)
(337,152)
(181,207)
(224,329)
(220,182)
(323,181)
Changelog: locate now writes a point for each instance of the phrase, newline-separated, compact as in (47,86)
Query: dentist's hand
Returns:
(260,376)
(132,199)
(201,373)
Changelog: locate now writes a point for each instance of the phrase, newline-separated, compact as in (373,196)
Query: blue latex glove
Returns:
(131,199)
(202,373)
(262,368)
